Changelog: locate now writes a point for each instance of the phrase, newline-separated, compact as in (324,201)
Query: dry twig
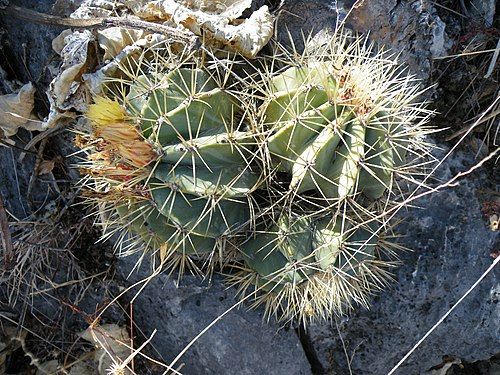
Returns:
(6,237)
(93,23)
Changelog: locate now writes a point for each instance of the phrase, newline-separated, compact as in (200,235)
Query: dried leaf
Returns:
(227,9)
(64,87)
(15,111)
(97,8)
(95,80)
(59,41)
(251,35)
(111,342)
(215,21)
(230,9)
(66,92)
(72,86)
(114,39)
(46,166)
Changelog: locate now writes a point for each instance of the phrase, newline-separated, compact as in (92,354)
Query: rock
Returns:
(484,9)
(65,7)
(452,247)
(309,17)
(15,176)
(28,48)
(411,28)
(241,343)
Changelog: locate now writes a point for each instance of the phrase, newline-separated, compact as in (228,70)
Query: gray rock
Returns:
(484,9)
(412,28)
(15,177)
(241,343)
(452,247)
(299,18)
(28,51)
(65,7)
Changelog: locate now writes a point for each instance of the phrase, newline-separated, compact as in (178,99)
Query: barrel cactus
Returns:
(170,162)
(304,268)
(340,120)
(342,127)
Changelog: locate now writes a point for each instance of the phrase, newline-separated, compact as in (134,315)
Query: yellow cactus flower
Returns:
(106,111)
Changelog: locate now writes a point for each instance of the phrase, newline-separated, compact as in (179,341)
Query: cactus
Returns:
(309,268)
(342,126)
(170,162)
(339,119)
(295,171)
(320,137)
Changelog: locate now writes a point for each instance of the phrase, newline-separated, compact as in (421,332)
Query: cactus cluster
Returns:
(321,139)
(308,268)
(286,173)
(337,123)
